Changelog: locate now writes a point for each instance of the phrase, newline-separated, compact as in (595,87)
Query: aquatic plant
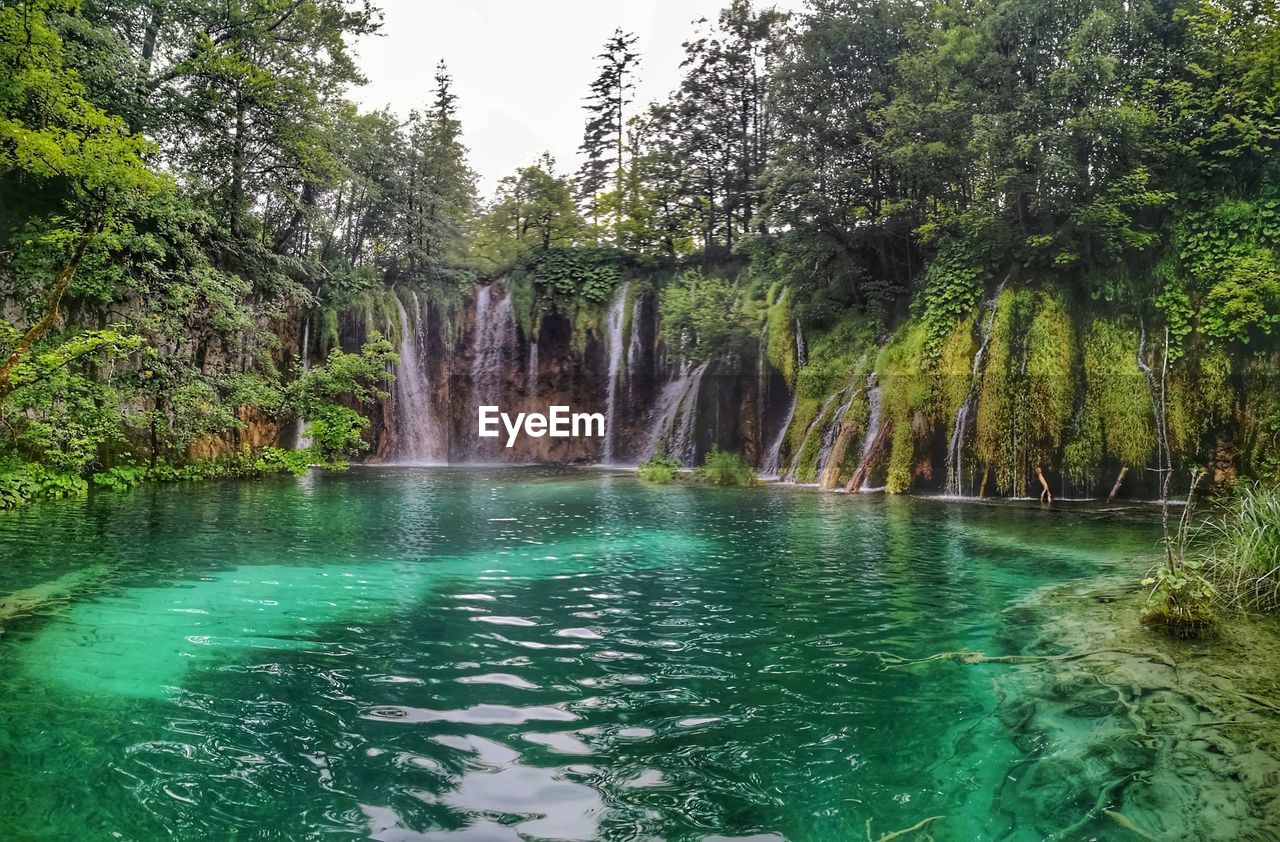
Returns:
(660,469)
(1182,596)
(722,467)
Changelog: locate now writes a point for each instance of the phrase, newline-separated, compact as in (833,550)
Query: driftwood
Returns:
(870,459)
(1115,489)
(1046,496)
(986,475)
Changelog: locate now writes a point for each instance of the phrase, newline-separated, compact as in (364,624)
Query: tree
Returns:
(54,140)
(532,209)
(604,140)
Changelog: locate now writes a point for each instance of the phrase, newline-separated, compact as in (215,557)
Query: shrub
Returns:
(23,482)
(724,468)
(660,469)
(1244,550)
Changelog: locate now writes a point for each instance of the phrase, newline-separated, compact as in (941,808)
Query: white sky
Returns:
(521,68)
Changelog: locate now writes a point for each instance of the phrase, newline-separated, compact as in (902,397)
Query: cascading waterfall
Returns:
(302,440)
(959,428)
(633,350)
(769,468)
(873,425)
(494,339)
(794,467)
(832,432)
(614,326)
(533,367)
(677,404)
(419,439)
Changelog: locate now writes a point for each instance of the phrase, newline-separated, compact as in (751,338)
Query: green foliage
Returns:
(121,477)
(837,356)
(702,318)
(953,284)
(1051,365)
(780,336)
(907,400)
(725,468)
(1243,554)
(1115,419)
(21,483)
(1001,393)
(660,469)
(1181,599)
(587,273)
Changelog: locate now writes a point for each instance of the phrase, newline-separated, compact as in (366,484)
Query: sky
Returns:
(521,68)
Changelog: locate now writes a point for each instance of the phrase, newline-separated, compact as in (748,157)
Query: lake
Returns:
(491,654)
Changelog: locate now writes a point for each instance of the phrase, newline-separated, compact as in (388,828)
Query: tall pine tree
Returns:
(604,140)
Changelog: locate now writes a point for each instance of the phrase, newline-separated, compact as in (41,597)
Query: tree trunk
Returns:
(1115,489)
(51,306)
(237,171)
(1046,496)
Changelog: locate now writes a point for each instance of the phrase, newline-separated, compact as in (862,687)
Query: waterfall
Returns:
(873,423)
(533,367)
(770,467)
(614,327)
(418,439)
(493,340)
(633,350)
(302,441)
(677,404)
(832,432)
(790,475)
(955,447)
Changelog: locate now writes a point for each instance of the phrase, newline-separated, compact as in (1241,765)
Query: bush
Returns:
(1244,550)
(724,468)
(21,483)
(661,469)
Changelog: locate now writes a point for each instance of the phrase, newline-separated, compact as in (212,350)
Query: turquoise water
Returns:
(518,654)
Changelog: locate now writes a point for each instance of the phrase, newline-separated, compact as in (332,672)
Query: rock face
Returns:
(897,427)
(448,369)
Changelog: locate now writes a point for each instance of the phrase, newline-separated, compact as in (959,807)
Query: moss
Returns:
(524,302)
(835,355)
(381,314)
(792,442)
(1051,375)
(954,373)
(330,336)
(806,462)
(906,390)
(1115,419)
(998,396)
(780,338)
(1201,400)
(901,460)
(1259,415)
